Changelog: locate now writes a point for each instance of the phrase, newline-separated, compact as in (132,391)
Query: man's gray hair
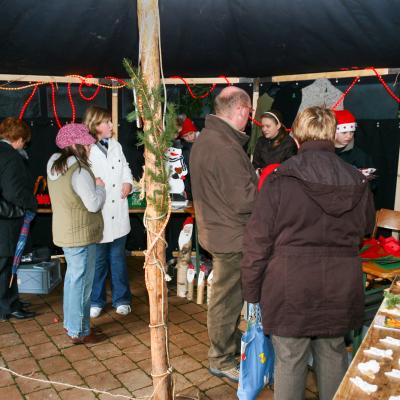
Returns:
(229,98)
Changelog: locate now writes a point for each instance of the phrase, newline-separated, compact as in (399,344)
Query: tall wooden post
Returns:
(148,19)
(114,111)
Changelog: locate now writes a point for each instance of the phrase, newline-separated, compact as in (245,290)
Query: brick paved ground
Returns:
(121,364)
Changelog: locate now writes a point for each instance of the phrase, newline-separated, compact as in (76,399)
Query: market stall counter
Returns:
(188,209)
(374,372)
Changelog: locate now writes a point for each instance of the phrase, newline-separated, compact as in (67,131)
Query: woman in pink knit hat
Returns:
(77,198)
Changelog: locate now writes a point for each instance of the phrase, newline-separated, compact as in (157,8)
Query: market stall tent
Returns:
(200,38)
(285,41)
(207,39)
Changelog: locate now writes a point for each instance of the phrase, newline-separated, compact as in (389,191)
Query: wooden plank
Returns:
(371,268)
(45,78)
(187,210)
(168,81)
(329,75)
(207,81)
(140,253)
(212,80)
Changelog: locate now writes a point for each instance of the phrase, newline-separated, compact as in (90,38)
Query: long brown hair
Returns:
(276,116)
(60,166)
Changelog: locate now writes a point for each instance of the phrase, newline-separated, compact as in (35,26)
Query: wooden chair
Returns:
(387,219)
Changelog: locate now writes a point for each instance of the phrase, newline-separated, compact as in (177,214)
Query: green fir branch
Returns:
(155,138)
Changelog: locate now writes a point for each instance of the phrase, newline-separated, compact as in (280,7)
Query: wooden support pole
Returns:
(256,95)
(397,195)
(148,19)
(114,111)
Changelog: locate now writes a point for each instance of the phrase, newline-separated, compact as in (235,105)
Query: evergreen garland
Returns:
(155,138)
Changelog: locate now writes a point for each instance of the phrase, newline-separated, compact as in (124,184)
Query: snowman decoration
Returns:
(177,170)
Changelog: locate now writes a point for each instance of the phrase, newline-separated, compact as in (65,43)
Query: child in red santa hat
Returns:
(188,131)
(344,143)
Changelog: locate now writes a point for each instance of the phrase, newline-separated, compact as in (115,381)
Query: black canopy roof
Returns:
(200,37)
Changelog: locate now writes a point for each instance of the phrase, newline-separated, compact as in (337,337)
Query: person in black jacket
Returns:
(275,145)
(16,193)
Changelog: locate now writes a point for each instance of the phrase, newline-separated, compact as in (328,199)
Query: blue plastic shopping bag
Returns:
(256,358)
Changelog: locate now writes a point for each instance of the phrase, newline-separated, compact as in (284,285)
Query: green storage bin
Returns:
(135,202)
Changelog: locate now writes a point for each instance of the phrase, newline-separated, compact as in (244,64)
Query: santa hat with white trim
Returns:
(186,233)
(346,122)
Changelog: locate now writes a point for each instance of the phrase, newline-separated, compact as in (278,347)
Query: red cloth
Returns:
(391,245)
(382,247)
(265,172)
(187,127)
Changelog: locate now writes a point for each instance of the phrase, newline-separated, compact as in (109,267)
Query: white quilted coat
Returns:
(114,170)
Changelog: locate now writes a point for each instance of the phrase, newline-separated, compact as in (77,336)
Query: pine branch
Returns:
(155,138)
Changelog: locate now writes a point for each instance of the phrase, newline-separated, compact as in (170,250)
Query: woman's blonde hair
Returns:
(314,123)
(93,117)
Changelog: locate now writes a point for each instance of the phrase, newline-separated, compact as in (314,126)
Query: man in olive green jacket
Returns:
(224,186)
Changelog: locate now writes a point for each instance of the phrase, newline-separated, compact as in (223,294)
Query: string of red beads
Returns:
(194,96)
(53,100)
(28,100)
(71,102)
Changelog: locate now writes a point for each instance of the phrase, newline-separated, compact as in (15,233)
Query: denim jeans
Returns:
(111,256)
(77,289)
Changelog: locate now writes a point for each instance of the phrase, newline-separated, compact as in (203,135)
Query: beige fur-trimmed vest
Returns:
(73,224)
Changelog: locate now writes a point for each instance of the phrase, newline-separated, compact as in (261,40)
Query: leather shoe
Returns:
(22,314)
(24,304)
(92,338)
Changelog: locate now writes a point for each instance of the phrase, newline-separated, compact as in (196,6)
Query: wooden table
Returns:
(186,210)
(386,386)
(374,269)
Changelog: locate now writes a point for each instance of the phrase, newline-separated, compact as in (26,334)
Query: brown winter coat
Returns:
(224,186)
(301,245)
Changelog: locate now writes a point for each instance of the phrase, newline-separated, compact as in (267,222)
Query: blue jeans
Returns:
(77,289)
(111,256)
